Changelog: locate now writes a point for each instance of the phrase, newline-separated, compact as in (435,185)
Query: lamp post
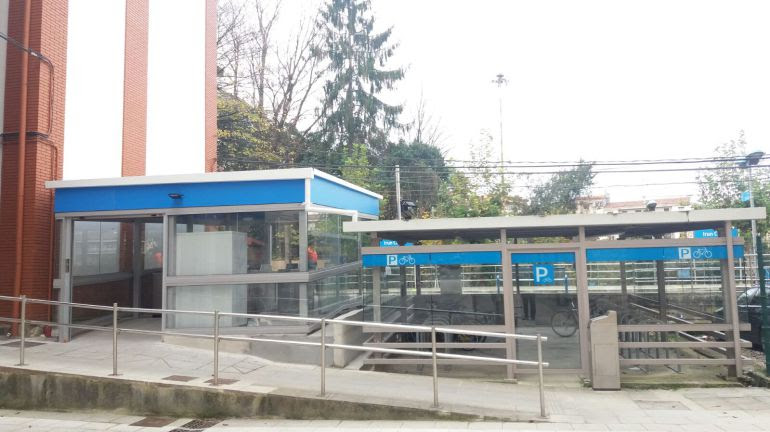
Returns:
(500,80)
(748,161)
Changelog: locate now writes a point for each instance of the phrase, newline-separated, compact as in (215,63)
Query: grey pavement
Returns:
(570,407)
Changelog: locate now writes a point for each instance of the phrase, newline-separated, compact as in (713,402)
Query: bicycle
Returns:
(406,260)
(565,323)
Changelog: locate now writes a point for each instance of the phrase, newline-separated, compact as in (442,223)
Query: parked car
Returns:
(750,308)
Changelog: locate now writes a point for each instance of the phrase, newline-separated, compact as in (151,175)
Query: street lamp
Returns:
(748,161)
(500,80)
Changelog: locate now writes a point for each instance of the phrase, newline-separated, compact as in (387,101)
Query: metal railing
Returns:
(217,338)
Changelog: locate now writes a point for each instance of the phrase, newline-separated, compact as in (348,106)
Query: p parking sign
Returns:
(543,274)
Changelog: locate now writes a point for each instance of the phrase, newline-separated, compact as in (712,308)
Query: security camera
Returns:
(408,209)
(651,205)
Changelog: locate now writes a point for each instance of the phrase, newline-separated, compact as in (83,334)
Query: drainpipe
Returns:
(22,153)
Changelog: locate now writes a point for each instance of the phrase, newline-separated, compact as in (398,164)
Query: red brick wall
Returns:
(211,85)
(135,89)
(48,34)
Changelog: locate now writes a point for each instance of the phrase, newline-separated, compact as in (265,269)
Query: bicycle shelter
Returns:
(675,293)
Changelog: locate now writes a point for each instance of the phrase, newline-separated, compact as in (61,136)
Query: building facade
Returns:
(111,88)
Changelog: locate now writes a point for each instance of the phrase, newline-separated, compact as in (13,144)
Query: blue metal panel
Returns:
(210,194)
(549,257)
(439,258)
(330,194)
(662,253)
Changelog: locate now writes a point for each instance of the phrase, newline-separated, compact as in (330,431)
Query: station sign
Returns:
(711,233)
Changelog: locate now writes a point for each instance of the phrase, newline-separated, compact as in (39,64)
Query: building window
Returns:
(236,243)
(328,246)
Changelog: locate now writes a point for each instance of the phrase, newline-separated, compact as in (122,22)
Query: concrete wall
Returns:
(30,390)
(348,335)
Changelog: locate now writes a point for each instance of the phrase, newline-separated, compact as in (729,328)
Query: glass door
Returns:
(546,302)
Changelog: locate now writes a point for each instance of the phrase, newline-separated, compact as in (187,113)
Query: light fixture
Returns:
(408,209)
(754,157)
(651,205)
(175,196)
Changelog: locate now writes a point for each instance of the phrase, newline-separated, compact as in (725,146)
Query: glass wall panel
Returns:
(102,258)
(328,245)
(95,247)
(236,243)
(438,295)
(645,292)
(334,294)
(270,298)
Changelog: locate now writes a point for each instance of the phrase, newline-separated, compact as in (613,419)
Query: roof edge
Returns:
(558,221)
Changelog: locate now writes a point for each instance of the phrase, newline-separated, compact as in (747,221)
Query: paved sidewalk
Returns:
(570,407)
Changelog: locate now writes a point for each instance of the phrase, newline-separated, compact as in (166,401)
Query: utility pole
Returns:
(500,80)
(398,192)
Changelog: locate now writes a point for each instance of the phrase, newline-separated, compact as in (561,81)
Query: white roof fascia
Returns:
(558,221)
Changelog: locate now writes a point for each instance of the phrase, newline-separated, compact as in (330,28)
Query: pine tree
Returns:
(353,111)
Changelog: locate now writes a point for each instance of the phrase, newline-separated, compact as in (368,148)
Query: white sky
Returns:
(599,79)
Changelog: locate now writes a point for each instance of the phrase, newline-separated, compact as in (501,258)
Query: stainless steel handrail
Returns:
(217,338)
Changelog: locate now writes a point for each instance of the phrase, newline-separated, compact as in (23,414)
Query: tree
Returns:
(232,39)
(424,128)
(423,170)
(243,135)
(722,187)
(355,167)
(353,111)
(558,194)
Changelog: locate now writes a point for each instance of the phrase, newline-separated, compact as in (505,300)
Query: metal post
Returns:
(751,204)
(540,374)
(435,365)
(216,347)
(114,339)
(323,356)
(398,192)
(22,330)
(763,298)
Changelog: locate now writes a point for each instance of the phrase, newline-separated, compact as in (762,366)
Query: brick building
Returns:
(113,88)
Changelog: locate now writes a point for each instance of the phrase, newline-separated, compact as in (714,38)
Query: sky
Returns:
(590,79)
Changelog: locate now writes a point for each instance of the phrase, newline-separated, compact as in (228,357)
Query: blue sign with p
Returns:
(543,274)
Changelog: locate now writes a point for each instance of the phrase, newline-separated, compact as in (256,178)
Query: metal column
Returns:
(581,264)
(510,325)
(736,317)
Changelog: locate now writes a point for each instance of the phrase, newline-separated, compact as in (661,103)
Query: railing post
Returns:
(323,356)
(114,339)
(216,348)
(22,330)
(435,365)
(540,374)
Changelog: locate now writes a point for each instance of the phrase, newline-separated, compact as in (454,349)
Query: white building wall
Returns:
(93,117)
(176,87)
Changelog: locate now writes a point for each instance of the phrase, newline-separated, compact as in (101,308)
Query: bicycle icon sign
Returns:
(695,253)
(393,260)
